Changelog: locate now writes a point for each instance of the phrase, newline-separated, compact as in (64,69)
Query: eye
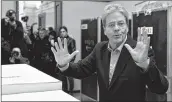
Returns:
(111,25)
(121,23)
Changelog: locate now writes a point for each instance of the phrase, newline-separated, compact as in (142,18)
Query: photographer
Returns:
(17,58)
(12,35)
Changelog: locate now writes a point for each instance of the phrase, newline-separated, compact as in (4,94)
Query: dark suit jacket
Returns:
(128,82)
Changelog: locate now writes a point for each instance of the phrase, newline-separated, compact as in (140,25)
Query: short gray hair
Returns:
(113,8)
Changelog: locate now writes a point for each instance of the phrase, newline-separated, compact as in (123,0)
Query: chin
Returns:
(116,41)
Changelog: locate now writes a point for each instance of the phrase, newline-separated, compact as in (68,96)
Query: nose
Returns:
(116,27)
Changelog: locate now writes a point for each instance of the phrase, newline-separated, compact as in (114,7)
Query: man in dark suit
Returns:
(124,67)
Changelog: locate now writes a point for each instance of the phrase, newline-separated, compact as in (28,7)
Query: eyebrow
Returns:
(121,21)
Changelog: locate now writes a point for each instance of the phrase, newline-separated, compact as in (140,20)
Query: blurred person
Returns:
(52,34)
(12,35)
(124,67)
(51,39)
(34,30)
(51,30)
(70,41)
(43,56)
(68,82)
(17,58)
(27,36)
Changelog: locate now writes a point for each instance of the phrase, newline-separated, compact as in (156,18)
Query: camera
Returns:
(11,19)
(15,53)
(25,18)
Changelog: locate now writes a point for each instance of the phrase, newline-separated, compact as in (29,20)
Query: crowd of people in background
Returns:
(33,46)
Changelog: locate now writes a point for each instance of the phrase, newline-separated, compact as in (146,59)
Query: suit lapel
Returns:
(106,64)
(122,61)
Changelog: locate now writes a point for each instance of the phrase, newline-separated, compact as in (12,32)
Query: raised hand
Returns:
(61,53)
(140,52)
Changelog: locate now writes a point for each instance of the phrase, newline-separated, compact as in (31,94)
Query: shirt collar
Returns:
(119,47)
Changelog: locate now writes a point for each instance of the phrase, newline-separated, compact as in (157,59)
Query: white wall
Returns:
(72,13)
(6,5)
(48,8)
(50,17)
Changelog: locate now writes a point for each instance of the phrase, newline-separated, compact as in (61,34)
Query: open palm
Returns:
(140,52)
(61,53)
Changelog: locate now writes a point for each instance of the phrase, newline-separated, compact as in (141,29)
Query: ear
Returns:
(104,30)
(127,30)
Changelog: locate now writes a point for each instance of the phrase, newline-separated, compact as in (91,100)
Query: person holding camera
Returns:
(12,34)
(17,58)
(26,30)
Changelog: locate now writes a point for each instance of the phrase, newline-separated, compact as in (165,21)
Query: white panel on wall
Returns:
(48,8)
(6,5)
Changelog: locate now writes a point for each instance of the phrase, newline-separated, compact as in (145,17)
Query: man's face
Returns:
(63,32)
(42,34)
(51,37)
(116,27)
(13,17)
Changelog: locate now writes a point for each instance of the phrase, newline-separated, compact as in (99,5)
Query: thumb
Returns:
(129,48)
(73,54)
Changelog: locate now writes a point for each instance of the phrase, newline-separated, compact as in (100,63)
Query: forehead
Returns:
(62,30)
(51,36)
(42,31)
(115,17)
(35,26)
(16,49)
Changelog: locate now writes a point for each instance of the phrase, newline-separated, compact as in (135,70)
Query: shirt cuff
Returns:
(62,69)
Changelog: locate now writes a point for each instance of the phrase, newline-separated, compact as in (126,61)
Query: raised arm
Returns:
(79,70)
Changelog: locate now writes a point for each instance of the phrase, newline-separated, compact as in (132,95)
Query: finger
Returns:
(65,45)
(129,48)
(60,43)
(73,54)
(145,37)
(54,52)
(139,34)
(52,42)
(142,35)
(57,46)
(148,43)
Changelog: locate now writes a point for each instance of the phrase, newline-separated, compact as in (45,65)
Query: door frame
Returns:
(56,4)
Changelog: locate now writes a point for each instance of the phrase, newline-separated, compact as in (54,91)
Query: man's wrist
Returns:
(144,65)
(62,68)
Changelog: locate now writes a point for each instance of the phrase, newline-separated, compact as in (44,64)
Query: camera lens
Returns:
(15,53)
(11,19)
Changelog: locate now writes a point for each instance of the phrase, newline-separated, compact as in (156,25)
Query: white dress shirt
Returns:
(114,58)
